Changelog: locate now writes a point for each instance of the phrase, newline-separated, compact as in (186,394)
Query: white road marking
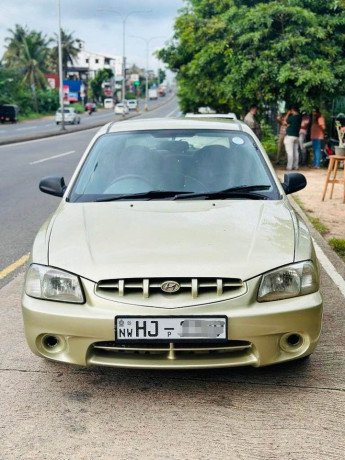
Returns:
(50,124)
(52,158)
(337,279)
(173,111)
(45,139)
(29,127)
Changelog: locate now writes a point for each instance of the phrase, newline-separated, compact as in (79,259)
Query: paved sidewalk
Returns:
(331,212)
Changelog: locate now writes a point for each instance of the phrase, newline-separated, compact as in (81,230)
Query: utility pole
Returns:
(124,20)
(147,41)
(60,69)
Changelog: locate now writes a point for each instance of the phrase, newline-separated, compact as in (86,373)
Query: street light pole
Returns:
(147,41)
(60,69)
(124,20)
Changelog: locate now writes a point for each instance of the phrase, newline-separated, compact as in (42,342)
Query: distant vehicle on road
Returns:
(121,108)
(108,103)
(70,116)
(9,112)
(153,93)
(132,104)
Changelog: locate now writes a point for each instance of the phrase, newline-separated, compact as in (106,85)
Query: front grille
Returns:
(190,350)
(192,288)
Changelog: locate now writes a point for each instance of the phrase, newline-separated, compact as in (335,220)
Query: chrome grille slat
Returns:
(147,287)
(174,350)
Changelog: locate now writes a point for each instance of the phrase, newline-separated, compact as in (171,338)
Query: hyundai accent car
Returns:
(173,246)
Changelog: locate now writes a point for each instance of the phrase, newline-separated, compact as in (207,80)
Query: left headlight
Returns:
(290,281)
(52,284)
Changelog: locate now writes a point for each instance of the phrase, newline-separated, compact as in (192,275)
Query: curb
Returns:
(320,240)
(75,129)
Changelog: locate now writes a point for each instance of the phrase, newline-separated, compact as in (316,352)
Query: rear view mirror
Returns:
(53,185)
(293,182)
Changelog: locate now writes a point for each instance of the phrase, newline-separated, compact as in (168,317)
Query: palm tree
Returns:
(33,62)
(70,50)
(27,53)
(15,45)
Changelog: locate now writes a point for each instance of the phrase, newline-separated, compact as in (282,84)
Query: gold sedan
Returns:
(174,246)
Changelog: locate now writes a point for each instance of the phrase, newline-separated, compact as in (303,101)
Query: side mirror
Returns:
(53,185)
(293,182)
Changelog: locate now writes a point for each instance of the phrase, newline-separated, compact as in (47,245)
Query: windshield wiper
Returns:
(242,191)
(148,195)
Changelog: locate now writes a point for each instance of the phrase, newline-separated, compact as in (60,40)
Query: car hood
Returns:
(237,238)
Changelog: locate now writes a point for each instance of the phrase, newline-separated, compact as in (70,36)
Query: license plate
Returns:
(170,328)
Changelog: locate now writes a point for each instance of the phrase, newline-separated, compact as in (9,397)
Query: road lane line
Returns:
(29,127)
(52,158)
(49,138)
(175,110)
(329,268)
(18,263)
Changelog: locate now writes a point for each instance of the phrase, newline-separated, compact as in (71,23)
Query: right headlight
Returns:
(290,281)
(51,283)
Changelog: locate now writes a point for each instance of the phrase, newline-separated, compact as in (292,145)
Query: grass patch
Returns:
(319,226)
(338,245)
(315,221)
(34,116)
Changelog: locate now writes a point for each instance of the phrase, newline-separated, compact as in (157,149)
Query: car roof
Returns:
(173,123)
(228,116)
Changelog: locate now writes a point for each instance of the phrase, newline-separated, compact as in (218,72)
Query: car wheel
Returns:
(57,122)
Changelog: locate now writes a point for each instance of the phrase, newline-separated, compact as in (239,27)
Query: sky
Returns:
(101,30)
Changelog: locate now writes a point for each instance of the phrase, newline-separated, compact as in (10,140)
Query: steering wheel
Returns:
(129,177)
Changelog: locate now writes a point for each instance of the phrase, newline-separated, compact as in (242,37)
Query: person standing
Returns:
(302,138)
(281,136)
(317,135)
(292,121)
(251,121)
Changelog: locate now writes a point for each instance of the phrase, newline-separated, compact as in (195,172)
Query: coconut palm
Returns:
(27,53)
(70,50)
(14,45)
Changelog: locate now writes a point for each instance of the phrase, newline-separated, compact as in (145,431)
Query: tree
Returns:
(229,53)
(14,45)
(101,76)
(70,49)
(27,53)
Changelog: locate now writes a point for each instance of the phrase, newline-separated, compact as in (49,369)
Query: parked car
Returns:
(9,112)
(174,246)
(70,116)
(121,108)
(132,104)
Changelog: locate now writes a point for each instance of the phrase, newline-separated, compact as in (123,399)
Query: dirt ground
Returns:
(331,212)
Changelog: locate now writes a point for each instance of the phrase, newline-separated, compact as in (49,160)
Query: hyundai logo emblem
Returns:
(170,287)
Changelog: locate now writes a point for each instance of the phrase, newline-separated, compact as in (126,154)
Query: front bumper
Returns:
(257,332)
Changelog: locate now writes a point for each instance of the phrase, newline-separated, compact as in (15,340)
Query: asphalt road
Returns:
(54,411)
(23,208)
(47,124)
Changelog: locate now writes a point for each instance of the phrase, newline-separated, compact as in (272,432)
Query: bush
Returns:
(48,100)
(338,245)
(79,108)
(129,95)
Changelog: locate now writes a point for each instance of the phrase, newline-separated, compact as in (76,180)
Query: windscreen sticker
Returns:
(238,140)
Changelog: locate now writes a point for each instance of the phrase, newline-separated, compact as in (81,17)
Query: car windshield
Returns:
(65,111)
(162,164)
